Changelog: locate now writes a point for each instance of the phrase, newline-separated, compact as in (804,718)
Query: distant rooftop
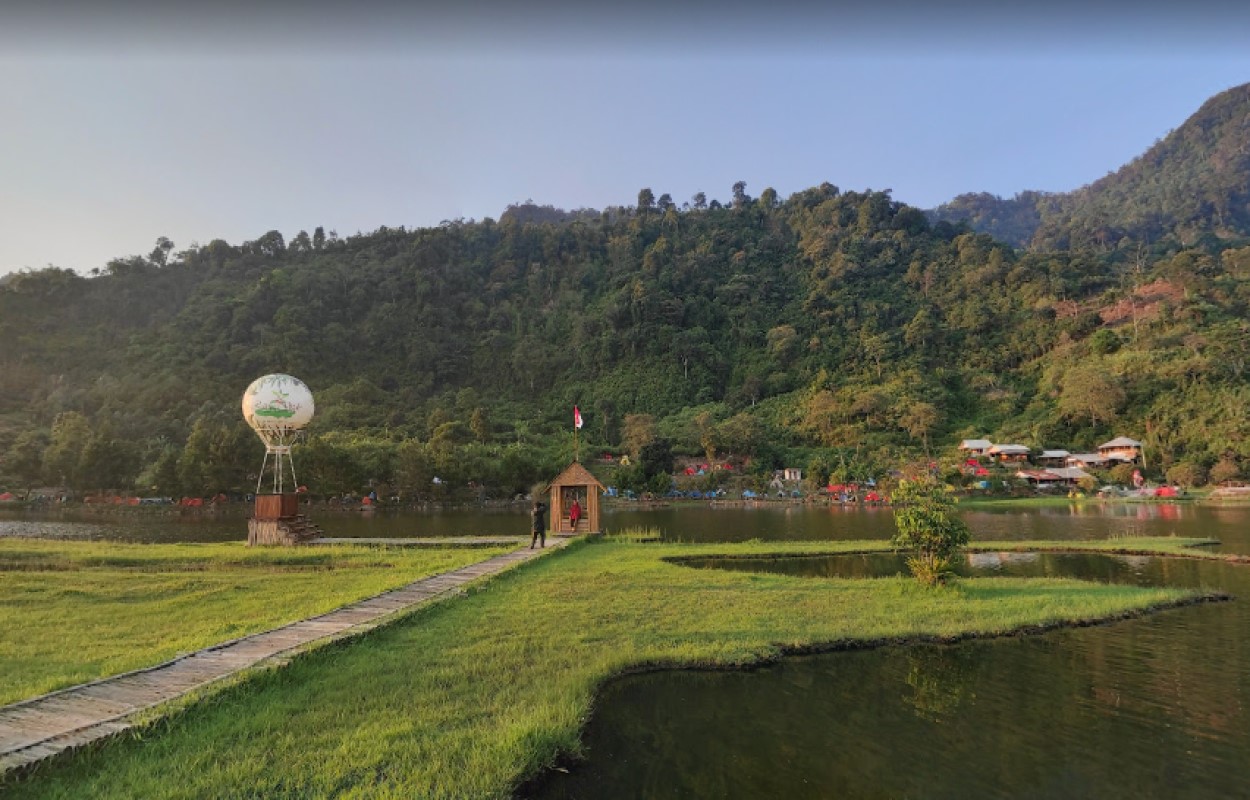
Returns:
(1120,441)
(1069,473)
(1088,458)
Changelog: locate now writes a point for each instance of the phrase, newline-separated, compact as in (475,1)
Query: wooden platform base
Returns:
(286,531)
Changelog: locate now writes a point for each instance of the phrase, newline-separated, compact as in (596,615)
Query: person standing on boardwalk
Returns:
(538,524)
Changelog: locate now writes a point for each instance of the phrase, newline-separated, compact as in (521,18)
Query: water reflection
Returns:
(1135,570)
(996,561)
(1153,707)
(940,679)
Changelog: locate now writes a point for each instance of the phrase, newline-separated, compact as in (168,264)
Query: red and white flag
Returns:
(577,419)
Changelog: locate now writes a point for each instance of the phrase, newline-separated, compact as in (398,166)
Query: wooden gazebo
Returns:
(575,483)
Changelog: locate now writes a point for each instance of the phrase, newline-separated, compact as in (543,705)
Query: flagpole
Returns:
(577,424)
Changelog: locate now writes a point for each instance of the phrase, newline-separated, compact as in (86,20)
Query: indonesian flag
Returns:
(577,419)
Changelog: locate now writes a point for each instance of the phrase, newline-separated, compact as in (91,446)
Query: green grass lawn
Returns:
(76,611)
(465,698)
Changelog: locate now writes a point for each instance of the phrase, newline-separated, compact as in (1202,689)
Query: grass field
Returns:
(465,698)
(77,611)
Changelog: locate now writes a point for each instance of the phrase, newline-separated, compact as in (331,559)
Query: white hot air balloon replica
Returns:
(277,407)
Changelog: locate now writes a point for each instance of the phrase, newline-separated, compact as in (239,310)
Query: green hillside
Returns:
(1193,186)
(836,330)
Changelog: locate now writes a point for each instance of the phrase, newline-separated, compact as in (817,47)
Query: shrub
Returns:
(1225,469)
(1187,474)
(1122,474)
(927,526)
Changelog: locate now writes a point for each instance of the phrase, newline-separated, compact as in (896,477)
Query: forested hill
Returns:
(832,325)
(1192,186)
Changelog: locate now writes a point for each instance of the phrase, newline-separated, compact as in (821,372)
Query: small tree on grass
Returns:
(1188,474)
(927,526)
(1225,469)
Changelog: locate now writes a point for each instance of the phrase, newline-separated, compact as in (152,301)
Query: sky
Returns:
(124,122)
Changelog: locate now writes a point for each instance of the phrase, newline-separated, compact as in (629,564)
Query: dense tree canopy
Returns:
(836,327)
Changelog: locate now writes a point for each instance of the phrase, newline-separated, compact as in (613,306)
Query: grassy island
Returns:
(466,698)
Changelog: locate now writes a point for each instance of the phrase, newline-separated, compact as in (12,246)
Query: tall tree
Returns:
(62,461)
(25,457)
(639,432)
(646,201)
(919,419)
(1091,392)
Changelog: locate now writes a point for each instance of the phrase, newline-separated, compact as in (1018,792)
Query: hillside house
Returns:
(1122,449)
(1009,452)
(975,447)
(1056,476)
(1053,458)
(1087,460)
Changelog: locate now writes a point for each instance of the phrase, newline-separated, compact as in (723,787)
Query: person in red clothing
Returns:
(575,513)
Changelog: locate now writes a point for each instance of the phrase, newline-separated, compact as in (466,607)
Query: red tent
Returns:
(7,497)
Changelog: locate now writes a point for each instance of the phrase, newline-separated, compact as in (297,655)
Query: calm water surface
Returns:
(697,523)
(1150,708)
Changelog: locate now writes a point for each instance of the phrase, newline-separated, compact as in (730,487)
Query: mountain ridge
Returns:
(1192,184)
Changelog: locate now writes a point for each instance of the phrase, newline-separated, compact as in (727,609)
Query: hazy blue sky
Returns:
(123,125)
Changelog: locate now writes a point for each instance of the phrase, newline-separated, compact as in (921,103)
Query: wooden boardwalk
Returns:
(34,729)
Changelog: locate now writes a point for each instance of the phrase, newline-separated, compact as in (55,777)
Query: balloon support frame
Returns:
(278,445)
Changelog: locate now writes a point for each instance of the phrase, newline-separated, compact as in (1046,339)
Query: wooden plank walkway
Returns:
(34,729)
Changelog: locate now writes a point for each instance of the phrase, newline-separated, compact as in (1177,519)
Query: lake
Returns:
(696,523)
(1157,707)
